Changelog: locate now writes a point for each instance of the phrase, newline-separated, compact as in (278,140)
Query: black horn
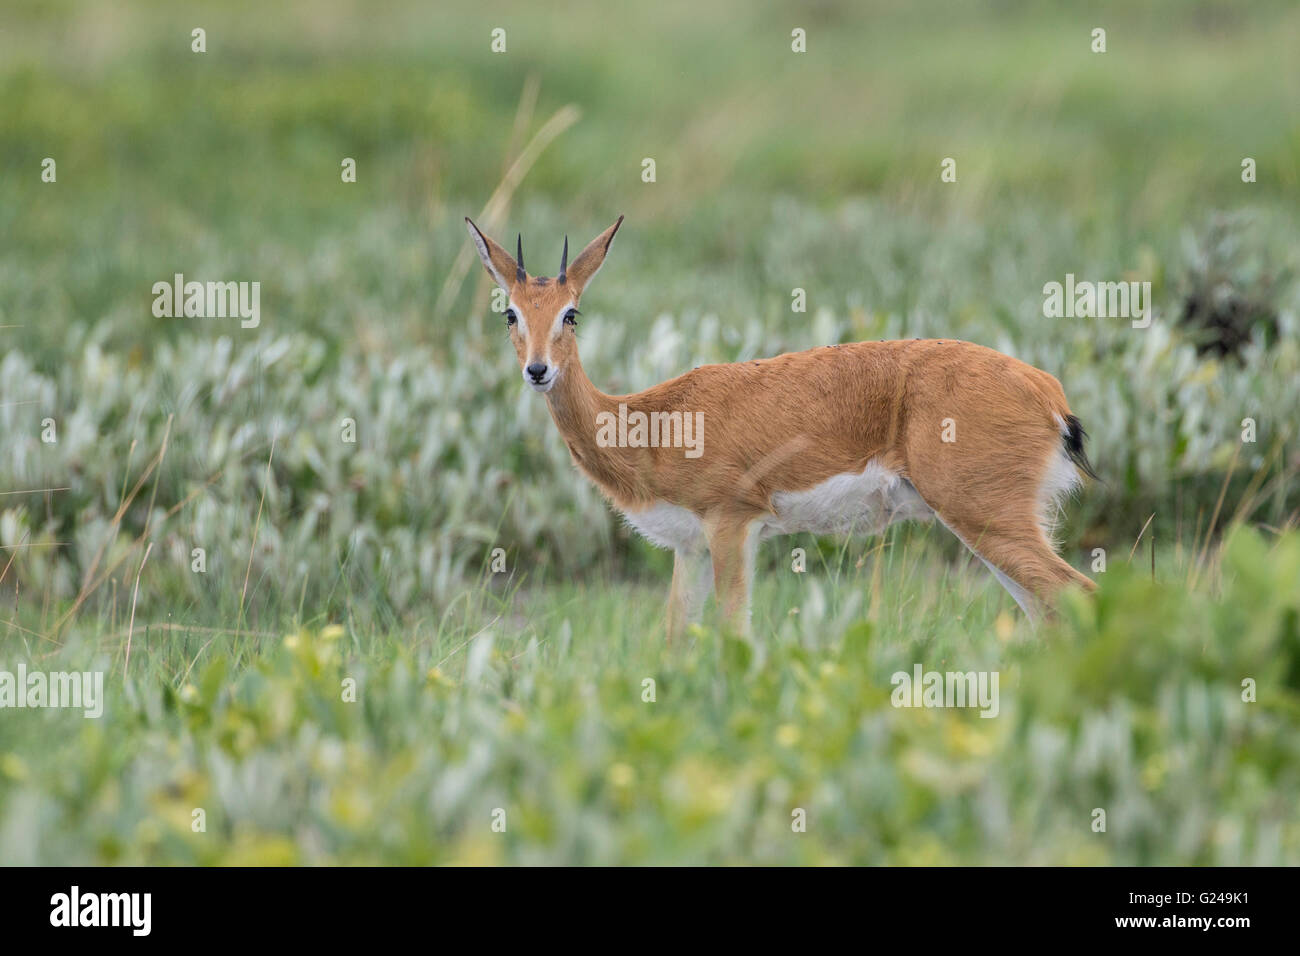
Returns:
(519,260)
(564,260)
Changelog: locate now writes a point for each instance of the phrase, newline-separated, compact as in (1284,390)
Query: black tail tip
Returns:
(1073,438)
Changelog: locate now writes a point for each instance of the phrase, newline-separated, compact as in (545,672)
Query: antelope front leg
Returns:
(732,543)
(692,581)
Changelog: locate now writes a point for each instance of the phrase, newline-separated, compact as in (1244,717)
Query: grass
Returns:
(536,704)
(370,560)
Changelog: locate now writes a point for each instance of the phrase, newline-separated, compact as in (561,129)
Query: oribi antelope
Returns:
(843,438)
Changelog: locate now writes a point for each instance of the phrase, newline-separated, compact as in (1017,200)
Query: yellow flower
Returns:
(1154,771)
(12,766)
(967,740)
(435,676)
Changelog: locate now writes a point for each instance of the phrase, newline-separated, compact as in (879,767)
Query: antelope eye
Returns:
(571,317)
(511,317)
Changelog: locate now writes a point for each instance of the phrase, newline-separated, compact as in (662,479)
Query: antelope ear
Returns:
(590,260)
(500,265)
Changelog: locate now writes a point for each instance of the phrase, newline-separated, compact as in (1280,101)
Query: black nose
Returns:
(537,371)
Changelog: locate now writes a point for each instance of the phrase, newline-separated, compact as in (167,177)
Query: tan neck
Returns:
(574,403)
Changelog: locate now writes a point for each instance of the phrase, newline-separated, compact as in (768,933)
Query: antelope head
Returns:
(542,313)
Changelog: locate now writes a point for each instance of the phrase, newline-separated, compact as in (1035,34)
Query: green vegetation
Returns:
(327,560)
(1133,705)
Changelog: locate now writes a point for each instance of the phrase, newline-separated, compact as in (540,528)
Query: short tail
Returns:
(1073,438)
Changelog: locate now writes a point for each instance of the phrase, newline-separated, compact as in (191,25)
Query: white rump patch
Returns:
(1059,482)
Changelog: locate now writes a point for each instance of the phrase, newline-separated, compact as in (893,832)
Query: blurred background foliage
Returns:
(775,171)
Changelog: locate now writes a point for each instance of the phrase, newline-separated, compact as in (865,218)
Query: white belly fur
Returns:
(864,503)
(668,526)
